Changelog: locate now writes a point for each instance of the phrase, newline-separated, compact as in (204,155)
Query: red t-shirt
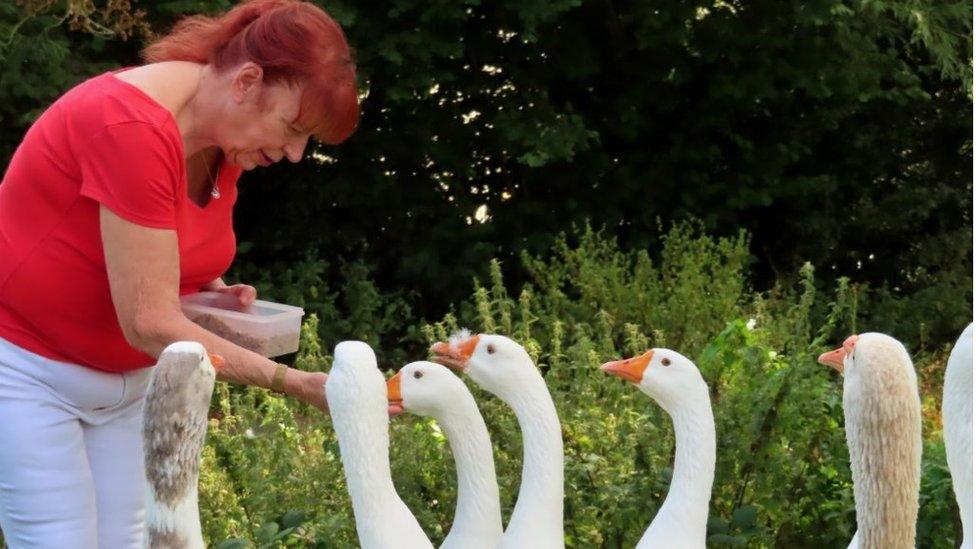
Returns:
(103,142)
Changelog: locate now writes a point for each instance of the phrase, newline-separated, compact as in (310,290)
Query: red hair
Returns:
(293,42)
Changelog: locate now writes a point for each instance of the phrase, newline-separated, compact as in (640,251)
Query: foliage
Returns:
(834,131)
(272,475)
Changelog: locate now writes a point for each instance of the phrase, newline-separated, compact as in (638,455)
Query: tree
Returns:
(837,132)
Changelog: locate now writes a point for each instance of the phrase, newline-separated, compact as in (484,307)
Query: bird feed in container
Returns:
(267,328)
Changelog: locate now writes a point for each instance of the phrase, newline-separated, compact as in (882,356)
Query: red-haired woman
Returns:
(119,200)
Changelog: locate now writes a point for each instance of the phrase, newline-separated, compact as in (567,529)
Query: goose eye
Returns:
(418,374)
(491,349)
(665,362)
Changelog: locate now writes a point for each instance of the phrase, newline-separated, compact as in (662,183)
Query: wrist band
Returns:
(278,380)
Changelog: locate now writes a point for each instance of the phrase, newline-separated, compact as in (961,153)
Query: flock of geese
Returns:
(882,414)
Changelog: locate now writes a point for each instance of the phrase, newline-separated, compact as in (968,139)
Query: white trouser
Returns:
(71,463)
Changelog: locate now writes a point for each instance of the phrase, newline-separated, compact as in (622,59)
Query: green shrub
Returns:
(272,475)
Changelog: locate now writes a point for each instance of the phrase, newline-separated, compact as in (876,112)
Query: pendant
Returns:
(215,191)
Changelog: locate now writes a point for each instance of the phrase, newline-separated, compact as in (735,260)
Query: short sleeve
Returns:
(133,169)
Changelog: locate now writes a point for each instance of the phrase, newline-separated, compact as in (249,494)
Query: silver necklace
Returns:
(214,188)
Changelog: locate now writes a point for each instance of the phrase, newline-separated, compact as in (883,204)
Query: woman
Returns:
(119,200)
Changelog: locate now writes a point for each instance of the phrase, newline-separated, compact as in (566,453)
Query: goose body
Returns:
(356,392)
(174,428)
(503,368)
(957,427)
(882,417)
(431,390)
(676,384)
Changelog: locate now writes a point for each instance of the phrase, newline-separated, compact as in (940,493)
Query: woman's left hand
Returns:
(308,387)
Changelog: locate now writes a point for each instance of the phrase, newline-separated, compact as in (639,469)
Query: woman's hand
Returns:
(245,293)
(308,387)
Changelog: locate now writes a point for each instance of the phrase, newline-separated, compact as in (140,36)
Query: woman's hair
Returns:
(293,42)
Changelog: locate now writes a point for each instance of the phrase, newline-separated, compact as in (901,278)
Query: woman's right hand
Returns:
(245,293)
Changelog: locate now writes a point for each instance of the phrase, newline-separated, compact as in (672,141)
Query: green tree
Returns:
(835,131)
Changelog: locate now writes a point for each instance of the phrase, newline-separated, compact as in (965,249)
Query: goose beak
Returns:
(455,356)
(217,361)
(631,369)
(393,396)
(834,359)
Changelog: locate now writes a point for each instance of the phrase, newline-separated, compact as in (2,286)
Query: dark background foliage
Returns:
(835,132)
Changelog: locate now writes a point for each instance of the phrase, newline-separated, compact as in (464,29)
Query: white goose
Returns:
(356,393)
(957,427)
(174,427)
(883,424)
(429,389)
(503,368)
(675,383)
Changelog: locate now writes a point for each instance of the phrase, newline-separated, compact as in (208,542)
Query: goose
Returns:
(957,427)
(839,366)
(174,426)
(675,383)
(503,367)
(883,424)
(356,393)
(429,389)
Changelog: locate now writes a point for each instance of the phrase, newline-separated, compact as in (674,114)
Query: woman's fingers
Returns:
(246,294)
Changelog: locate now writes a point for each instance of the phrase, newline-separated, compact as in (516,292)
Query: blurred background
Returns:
(746,182)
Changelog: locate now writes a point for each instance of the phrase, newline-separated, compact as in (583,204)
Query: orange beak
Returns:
(393,396)
(631,369)
(393,390)
(835,358)
(217,361)
(456,356)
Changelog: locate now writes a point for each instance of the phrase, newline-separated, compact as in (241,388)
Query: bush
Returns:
(272,474)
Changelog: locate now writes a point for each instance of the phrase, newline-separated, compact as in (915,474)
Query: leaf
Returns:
(727,540)
(292,519)
(266,533)
(745,517)
(232,543)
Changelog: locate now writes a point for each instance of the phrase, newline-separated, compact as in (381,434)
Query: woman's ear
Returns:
(247,81)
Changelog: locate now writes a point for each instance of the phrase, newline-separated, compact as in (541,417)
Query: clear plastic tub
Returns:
(267,328)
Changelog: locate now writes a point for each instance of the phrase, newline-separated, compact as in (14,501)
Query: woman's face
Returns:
(259,128)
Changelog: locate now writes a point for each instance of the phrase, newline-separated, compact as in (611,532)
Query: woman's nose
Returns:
(295,149)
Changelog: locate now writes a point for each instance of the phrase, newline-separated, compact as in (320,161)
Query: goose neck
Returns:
(477,515)
(540,499)
(694,464)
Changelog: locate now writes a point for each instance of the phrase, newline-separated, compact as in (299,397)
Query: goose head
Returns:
(841,357)
(495,362)
(666,376)
(185,375)
(859,351)
(355,382)
(424,388)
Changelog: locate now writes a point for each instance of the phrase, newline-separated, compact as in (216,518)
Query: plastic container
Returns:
(267,328)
